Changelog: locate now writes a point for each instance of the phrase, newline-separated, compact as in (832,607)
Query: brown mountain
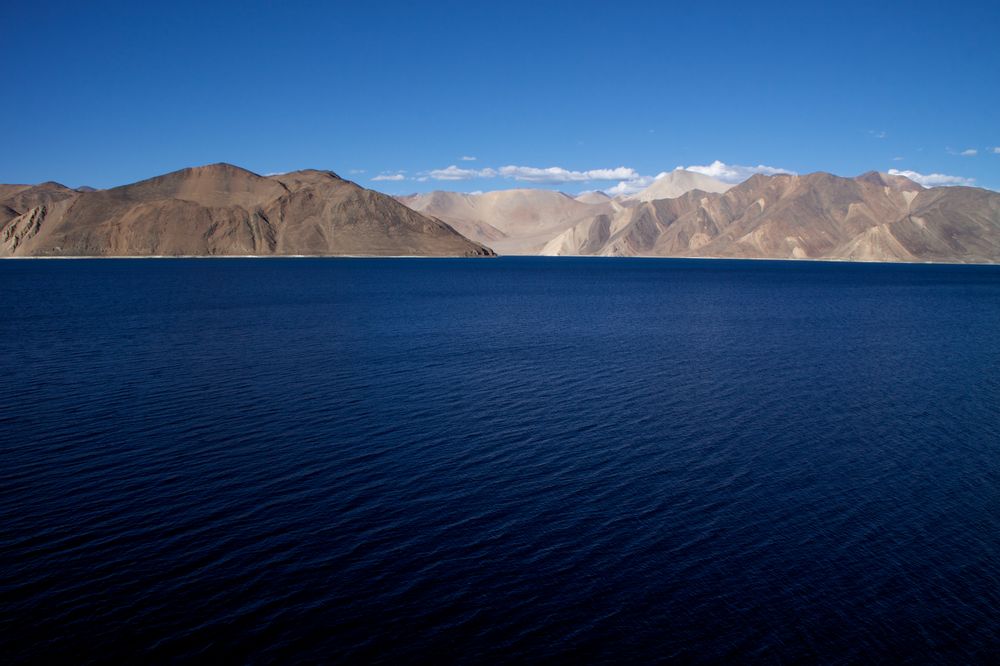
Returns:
(874,217)
(220,209)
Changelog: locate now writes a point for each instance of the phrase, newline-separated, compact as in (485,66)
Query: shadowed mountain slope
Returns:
(221,209)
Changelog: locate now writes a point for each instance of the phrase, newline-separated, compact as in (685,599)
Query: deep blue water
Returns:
(586,459)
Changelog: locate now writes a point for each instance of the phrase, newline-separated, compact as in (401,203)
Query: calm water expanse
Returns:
(388,460)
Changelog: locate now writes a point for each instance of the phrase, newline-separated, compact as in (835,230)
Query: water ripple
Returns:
(522,459)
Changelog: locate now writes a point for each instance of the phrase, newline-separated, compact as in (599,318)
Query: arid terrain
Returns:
(220,209)
(873,217)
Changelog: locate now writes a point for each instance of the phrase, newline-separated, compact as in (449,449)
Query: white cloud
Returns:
(561,175)
(390,176)
(734,173)
(356,171)
(467,158)
(629,180)
(932,179)
(897,159)
(878,135)
(454,172)
(530,174)
(996,149)
(631,186)
(727,173)
(969,152)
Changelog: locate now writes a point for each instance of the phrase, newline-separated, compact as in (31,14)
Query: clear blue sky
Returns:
(107,93)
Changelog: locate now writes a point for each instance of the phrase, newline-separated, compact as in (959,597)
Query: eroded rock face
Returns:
(221,210)
(874,217)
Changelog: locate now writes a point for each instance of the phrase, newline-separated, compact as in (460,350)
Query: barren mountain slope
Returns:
(218,210)
(874,217)
(511,221)
(527,221)
(596,197)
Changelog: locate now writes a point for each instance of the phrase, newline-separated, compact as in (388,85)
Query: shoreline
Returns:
(499,256)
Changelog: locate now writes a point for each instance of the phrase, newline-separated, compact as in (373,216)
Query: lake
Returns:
(520,458)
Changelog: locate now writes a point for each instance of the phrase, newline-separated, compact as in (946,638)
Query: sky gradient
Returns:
(393,94)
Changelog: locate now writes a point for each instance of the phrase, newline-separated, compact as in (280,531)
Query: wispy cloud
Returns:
(932,179)
(467,158)
(530,174)
(727,173)
(561,175)
(628,179)
(969,152)
(996,149)
(735,173)
(454,172)
(356,171)
(633,185)
(897,159)
(881,134)
(399,175)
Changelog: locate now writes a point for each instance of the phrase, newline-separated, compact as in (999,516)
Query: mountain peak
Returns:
(222,209)
(219,167)
(673,184)
(51,185)
(889,180)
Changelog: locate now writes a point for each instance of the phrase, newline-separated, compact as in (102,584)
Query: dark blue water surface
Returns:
(587,459)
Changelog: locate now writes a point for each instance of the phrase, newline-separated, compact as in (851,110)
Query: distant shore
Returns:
(502,256)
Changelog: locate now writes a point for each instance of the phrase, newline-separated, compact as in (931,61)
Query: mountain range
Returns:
(510,221)
(872,217)
(222,209)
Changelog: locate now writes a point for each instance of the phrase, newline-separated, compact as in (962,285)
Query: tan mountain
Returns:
(595,197)
(874,217)
(10,190)
(220,209)
(510,221)
(677,182)
(526,221)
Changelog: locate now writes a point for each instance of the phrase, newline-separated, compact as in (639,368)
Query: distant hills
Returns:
(510,221)
(873,217)
(220,209)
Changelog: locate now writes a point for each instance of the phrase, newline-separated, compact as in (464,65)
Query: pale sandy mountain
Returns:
(221,209)
(677,182)
(510,221)
(595,197)
(874,217)
(458,210)
(586,237)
